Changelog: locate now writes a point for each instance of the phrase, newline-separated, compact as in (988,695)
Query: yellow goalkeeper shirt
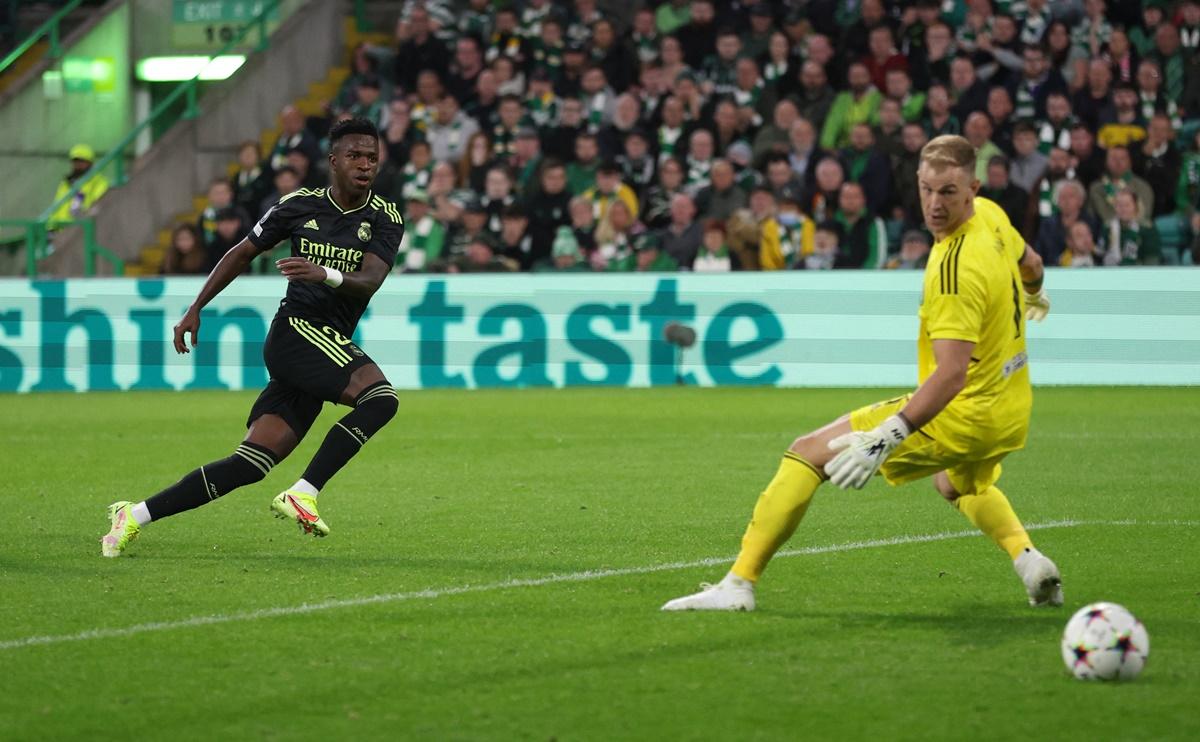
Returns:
(972,291)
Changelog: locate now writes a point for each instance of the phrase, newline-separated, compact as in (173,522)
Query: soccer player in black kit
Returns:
(344,242)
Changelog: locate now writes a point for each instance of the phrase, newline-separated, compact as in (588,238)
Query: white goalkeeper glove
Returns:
(860,454)
(1037,306)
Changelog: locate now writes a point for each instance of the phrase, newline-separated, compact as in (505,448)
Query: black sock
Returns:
(248,464)
(372,410)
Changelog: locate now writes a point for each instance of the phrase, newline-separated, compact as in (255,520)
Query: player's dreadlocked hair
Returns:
(350,127)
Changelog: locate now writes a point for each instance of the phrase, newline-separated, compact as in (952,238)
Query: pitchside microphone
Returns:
(682,337)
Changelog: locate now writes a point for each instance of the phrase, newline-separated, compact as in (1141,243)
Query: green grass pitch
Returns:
(462,508)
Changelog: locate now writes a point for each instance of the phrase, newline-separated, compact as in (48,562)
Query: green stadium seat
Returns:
(1173,237)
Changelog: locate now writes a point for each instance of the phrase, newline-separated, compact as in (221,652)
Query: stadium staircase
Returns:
(151,256)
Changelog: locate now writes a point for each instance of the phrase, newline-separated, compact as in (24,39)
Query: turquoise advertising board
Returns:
(1107,326)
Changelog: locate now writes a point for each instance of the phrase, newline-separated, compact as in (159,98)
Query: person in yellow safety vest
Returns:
(82,156)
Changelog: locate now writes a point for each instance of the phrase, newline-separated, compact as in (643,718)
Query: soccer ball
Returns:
(1104,641)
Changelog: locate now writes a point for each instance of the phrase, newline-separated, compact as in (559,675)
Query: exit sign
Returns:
(211,24)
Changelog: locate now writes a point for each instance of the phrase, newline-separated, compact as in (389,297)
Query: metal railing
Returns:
(37,231)
(37,245)
(50,29)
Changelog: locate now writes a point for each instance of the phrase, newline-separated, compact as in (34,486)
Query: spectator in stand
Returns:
(484,105)
(368,103)
(566,255)
(779,66)
(865,242)
(615,233)
(1037,81)
(450,131)
(883,56)
(479,256)
(755,235)
(1055,129)
(1087,158)
(978,131)
(821,200)
(186,256)
(476,161)
(681,238)
(559,140)
(1119,176)
(1068,59)
(583,225)
(286,181)
(497,197)
(699,36)
(773,138)
(636,163)
(548,207)
(856,32)
(399,134)
(515,242)
(1081,249)
(599,100)
(647,257)
(310,177)
(889,131)
(722,196)
(816,97)
(294,136)
(1121,125)
(1041,196)
(933,63)
(699,160)
(1000,189)
(429,92)
(999,110)
(914,252)
(804,154)
(626,114)
(419,50)
(938,119)
(906,197)
(1151,98)
(526,159)
(967,92)
(714,253)
(644,37)
(826,246)
(1142,37)
(1028,164)
(1170,59)
(1157,161)
(782,180)
(540,103)
(230,230)
(425,237)
(1095,97)
(864,165)
(1129,238)
(898,87)
(1121,57)
(609,189)
(463,82)
(504,133)
(471,226)
(251,184)
(581,173)
(657,202)
(613,56)
(220,196)
(858,105)
(510,80)
(1054,230)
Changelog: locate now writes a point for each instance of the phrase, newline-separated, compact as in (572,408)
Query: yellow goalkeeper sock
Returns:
(776,514)
(992,514)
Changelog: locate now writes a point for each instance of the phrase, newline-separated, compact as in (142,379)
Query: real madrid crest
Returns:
(364,232)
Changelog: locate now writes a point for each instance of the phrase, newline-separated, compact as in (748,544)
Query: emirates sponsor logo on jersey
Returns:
(328,255)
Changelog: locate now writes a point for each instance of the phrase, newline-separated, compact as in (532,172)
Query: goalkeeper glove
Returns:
(1037,306)
(860,454)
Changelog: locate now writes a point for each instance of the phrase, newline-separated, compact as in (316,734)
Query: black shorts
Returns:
(309,364)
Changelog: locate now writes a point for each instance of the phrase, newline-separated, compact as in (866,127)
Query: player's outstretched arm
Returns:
(230,266)
(1037,304)
(861,453)
(362,283)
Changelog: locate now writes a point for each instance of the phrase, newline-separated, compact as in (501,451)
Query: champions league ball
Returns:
(1104,641)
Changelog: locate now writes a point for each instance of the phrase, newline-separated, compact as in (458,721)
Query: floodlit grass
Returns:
(484,490)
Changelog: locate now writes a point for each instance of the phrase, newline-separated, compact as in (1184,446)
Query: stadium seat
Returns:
(1173,238)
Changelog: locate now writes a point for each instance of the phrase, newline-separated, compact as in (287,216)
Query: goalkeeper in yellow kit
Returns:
(970,409)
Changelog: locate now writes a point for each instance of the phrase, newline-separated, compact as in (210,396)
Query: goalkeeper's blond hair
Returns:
(949,150)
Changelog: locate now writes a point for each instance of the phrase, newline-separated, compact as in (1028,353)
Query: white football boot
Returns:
(1040,576)
(730,594)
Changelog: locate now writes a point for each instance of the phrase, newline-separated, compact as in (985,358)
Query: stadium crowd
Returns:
(716,135)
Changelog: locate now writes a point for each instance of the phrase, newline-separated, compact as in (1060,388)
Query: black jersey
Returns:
(332,238)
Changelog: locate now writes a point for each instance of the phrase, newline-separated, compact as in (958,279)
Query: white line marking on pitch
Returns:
(585,576)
